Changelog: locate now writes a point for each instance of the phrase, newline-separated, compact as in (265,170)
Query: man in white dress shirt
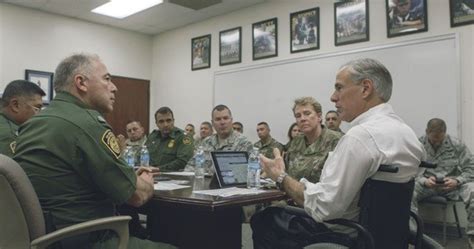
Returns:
(377,136)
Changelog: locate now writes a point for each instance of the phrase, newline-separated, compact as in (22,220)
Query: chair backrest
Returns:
(20,211)
(385,212)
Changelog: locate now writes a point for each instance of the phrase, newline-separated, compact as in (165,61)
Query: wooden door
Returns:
(132,102)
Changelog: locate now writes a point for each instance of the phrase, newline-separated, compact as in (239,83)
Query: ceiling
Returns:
(169,15)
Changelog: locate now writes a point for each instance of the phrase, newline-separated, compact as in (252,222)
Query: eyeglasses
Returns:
(35,108)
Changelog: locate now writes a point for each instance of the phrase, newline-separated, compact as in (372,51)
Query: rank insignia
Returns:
(171,144)
(13,146)
(111,142)
(186,140)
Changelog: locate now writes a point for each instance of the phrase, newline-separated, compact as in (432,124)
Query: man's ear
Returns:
(14,105)
(367,87)
(80,82)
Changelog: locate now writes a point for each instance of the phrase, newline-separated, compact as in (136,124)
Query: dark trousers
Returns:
(275,228)
(134,227)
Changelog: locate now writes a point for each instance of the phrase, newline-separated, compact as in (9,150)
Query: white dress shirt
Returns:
(377,136)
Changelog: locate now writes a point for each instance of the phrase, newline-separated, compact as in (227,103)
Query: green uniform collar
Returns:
(173,134)
(67,97)
(9,119)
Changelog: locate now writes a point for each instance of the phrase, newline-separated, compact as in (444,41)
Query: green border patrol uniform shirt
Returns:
(307,161)
(170,153)
(8,134)
(267,148)
(73,160)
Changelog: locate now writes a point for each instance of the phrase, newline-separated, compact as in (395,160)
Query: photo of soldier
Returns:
(304,30)
(265,39)
(230,46)
(351,22)
(201,47)
(406,16)
(462,12)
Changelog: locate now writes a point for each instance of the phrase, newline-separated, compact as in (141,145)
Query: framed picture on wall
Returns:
(230,46)
(406,17)
(264,39)
(461,12)
(351,22)
(304,30)
(201,52)
(44,80)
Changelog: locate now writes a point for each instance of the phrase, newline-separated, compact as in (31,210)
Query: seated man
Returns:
(204,131)
(170,148)
(136,138)
(362,89)
(20,101)
(332,121)
(238,127)
(455,171)
(266,142)
(72,157)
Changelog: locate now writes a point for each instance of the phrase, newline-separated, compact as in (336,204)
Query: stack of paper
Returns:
(168,186)
(226,192)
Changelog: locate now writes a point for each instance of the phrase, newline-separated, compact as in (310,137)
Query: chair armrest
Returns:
(118,224)
(369,241)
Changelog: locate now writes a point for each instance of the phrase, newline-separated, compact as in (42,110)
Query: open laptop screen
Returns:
(231,167)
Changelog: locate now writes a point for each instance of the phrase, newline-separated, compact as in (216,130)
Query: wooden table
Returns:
(189,220)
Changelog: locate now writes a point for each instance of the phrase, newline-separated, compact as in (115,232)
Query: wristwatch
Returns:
(279,180)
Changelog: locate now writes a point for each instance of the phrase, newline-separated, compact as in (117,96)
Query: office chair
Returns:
(21,216)
(383,219)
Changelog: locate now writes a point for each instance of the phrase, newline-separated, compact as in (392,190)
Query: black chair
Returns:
(383,220)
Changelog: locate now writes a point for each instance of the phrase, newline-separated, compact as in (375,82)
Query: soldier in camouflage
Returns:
(307,152)
(333,121)
(455,168)
(266,142)
(225,138)
(204,131)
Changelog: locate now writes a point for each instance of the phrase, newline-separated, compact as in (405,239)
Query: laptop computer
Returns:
(231,168)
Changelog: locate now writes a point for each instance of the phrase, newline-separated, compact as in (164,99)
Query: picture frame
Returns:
(230,46)
(461,12)
(44,80)
(201,52)
(351,22)
(304,30)
(406,17)
(265,39)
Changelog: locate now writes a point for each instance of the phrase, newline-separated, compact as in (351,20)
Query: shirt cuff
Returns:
(460,179)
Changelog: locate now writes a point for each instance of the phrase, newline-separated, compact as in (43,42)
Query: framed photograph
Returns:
(351,22)
(230,46)
(201,52)
(264,39)
(406,17)
(43,80)
(461,12)
(304,30)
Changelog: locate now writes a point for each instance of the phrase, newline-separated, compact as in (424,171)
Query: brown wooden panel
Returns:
(132,102)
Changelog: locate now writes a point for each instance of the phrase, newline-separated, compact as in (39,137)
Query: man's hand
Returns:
(154,171)
(449,184)
(147,177)
(121,141)
(431,182)
(273,168)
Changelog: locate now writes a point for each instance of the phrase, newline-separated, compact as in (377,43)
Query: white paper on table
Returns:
(168,186)
(178,173)
(226,192)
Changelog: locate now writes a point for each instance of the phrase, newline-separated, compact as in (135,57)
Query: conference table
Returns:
(191,220)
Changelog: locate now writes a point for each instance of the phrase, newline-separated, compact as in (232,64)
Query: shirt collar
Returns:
(381,108)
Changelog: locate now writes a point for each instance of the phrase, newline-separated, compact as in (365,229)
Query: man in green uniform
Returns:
(225,138)
(333,121)
(170,149)
(266,142)
(307,152)
(455,171)
(72,157)
(20,101)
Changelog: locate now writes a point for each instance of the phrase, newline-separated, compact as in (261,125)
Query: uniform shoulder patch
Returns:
(13,147)
(111,142)
(187,140)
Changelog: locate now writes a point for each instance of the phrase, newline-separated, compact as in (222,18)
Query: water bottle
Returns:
(129,156)
(144,156)
(253,173)
(199,163)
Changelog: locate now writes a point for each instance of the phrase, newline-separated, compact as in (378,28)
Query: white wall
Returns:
(190,93)
(31,39)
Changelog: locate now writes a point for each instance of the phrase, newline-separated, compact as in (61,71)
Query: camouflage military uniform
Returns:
(235,142)
(267,148)
(307,161)
(136,148)
(454,160)
(170,153)
(8,134)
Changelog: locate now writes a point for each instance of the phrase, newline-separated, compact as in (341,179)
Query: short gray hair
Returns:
(373,70)
(70,66)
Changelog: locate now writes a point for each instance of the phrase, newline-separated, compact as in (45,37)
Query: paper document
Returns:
(178,173)
(226,192)
(168,186)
